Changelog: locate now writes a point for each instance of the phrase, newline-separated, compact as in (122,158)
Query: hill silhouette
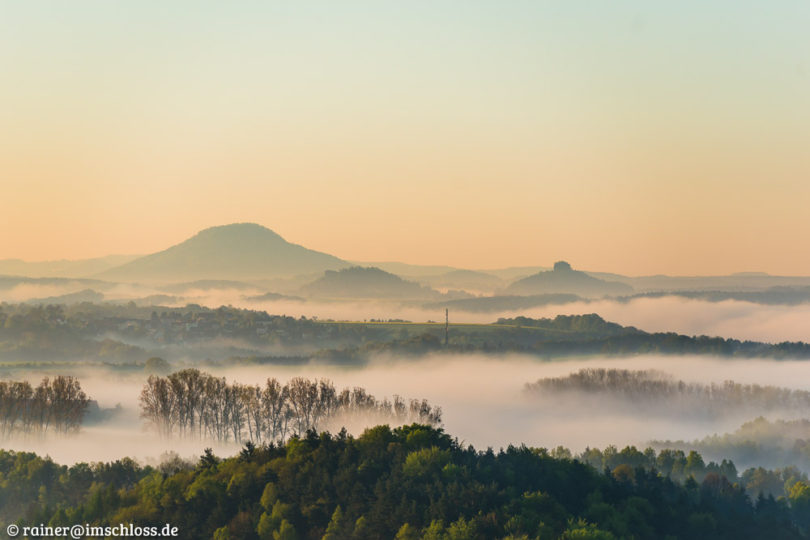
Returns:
(86,295)
(360,282)
(564,279)
(236,252)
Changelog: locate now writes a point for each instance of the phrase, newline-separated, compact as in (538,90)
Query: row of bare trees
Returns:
(192,403)
(57,404)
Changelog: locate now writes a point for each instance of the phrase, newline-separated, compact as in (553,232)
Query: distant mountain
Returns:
(272,297)
(87,295)
(514,272)
(359,282)
(405,269)
(731,283)
(774,296)
(62,268)
(241,251)
(154,300)
(564,279)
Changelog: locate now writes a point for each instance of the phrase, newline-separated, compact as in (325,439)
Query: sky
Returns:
(629,136)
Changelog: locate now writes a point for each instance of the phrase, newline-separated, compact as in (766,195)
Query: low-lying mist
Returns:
(729,318)
(482,399)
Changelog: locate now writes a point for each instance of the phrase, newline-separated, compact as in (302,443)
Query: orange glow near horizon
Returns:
(506,136)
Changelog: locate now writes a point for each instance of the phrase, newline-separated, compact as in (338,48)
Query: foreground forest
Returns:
(413,482)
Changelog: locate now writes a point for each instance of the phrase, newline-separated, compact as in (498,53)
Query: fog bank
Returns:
(482,399)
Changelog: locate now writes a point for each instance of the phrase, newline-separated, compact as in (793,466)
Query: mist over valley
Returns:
(199,348)
(321,271)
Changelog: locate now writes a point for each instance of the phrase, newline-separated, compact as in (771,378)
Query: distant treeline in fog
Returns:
(777,443)
(567,335)
(125,335)
(690,466)
(772,296)
(658,392)
(57,404)
(192,403)
(780,295)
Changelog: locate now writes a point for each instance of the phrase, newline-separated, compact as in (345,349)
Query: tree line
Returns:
(109,332)
(661,393)
(408,483)
(192,403)
(57,404)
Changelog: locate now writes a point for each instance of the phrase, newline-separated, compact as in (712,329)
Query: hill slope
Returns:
(237,252)
(359,282)
(564,279)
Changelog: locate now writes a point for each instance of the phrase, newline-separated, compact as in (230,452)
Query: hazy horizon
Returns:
(124,256)
(628,138)
(550,224)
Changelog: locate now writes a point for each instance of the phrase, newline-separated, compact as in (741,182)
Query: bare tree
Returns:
(197,404)
(303,396)
(158,404)
(60,403)
(251,397)
(276,409)
(236,411)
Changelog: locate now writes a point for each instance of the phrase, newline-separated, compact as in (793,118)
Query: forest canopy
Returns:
(410,482)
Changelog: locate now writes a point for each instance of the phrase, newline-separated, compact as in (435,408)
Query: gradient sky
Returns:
(633,137)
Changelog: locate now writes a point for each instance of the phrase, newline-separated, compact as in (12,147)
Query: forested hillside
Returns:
(760,441)
(406,483)
(128,334)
